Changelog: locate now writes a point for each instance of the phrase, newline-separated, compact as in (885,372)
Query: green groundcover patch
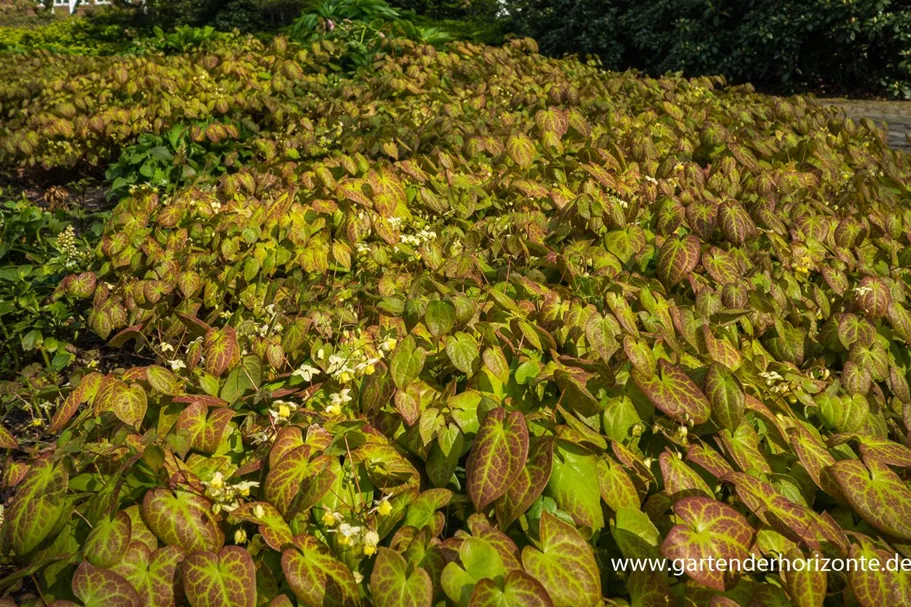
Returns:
(462,329)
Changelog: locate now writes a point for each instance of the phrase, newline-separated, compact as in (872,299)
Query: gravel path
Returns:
(896,114)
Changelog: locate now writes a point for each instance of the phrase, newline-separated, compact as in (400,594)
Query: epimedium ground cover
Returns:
(458,330)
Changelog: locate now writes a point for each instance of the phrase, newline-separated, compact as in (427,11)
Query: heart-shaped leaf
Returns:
(725,393)
(391,584)
(318,579)
(673,392)
(677,258)
(565,565)
(153,574)
(226,579)
(529,483)
(519,590)
(38,504)
(184,519)
(109,540)
(709,529)
(497,456)
(97,587)
(877,494)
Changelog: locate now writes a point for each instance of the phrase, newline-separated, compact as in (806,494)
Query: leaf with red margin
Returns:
(886,451)
(709,529)
(564,564)
(795,521)
(521,150)
(497,456)
(184,519)
(735,223)
(84,392)
(814,456)
(743,448)
(288,439)
(519,590)
(649,589)
(807,586)
(152,574)
(680,480)
(391,584)
(710,460)
(108,540)
(673,392)
(220,349)
(7,440)
(226,579)
(162,380)
(272,526)
(97,587)
(575,395)
(725,393)
(204,427)
(677,258)
(877,588)
(128,403)
(529,482)
(296,483)
(203,399)
(721,266)
(616,487)
(509,553)
(316,578)
(876,493)
(37,506)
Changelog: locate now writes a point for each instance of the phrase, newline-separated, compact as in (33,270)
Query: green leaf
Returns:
(478,560)
(521,150)
(295,483)
(709,529)
(184,519)
(38,504)
(391,584)
(519,590)
(498,454)
(153,574)
(108,541)
(219,349)
(564,564)
(674,393)
(575,394)
(97,587)
(316,578)
(462,350)
(440,318)
(573,485)
(406,362)
(162,380)
(635,534)
(725,393)
(226,579)
(7,440)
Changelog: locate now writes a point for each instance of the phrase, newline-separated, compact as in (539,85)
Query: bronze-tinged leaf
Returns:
(84,392)
(220,350)
(521,150)
(529,483)
(97,587)
(226,579)
(709,529)
(673,392)
(316,577)
(677,258)
(565,565)
(881,585)
(394,584)
(497,456)
(519,590)
(180,518)
(876,493)
(108,540)
(806,586)
(736,224)
(38,504)
(7,440)
(725,393)
(163,380)
(152,573)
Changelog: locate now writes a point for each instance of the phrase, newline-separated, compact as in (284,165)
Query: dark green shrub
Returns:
(788,44)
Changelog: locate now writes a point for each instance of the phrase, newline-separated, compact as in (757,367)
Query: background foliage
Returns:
(857,45)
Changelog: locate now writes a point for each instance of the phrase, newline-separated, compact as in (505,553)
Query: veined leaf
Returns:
(497,456)
(226,579)
(182,519)
(38,503)
(674,393)
(318,579)
(392,585)
(565,565)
